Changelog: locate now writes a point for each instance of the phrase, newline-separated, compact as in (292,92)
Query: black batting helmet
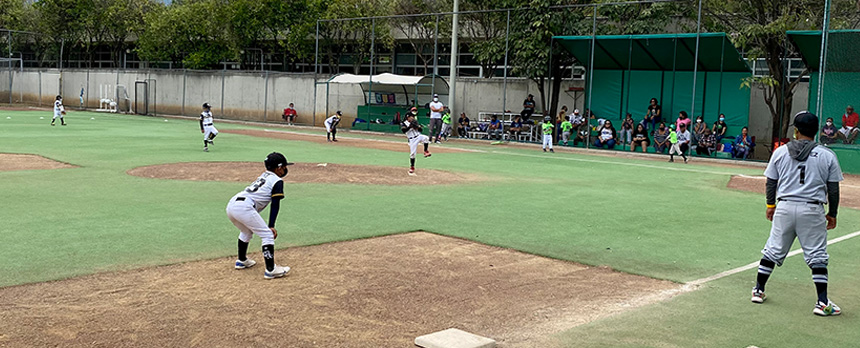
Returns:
(59,97)
(207,106)
(275,160)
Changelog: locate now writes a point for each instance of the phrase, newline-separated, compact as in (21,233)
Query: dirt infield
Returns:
(318,173)
(14,161)
(389,145)
(378,292)
(849,191)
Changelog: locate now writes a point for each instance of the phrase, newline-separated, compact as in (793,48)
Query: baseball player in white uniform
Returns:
(244,212)
(59,111)
(801,177)
(207,127)
(331,126)
(413,129)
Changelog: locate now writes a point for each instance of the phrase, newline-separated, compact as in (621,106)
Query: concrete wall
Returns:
(760,121)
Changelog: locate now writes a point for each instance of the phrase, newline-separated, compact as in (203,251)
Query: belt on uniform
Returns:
(793,201)
(207,124)
(410,138)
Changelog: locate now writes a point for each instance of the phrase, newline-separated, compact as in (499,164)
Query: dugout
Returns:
(626,71)
(841,74)
(385,96)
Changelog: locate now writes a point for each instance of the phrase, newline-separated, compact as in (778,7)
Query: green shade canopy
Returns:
(665,52)
(840,51)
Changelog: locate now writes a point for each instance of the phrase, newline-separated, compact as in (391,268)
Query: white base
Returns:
(454,338)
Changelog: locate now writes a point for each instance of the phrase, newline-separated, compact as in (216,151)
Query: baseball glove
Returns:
(62,112)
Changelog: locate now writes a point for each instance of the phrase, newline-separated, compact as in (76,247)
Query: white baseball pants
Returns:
(413,144)
(207,130)
(249,222)
(547,141)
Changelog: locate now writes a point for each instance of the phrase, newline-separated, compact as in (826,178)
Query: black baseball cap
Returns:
(806,123)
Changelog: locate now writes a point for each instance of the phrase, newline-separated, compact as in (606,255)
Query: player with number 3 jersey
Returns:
(244,209)
(802,176)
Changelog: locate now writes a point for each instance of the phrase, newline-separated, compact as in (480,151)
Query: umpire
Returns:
(801,177)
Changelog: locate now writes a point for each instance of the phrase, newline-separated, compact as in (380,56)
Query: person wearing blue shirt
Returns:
(495,129)
(743,144)
(516,127)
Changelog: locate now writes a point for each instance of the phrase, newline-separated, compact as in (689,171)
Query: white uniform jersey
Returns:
(206,117)
(803,181)
(412,132)
(261,191)
(436,105)
(684,137)
(331,122)
(58,107)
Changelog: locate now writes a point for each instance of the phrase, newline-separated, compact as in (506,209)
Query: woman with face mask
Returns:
(720,128)
(829,133)
(699,128)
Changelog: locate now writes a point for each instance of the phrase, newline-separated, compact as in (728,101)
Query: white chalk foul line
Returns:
(615,163)
(755,264)
(641,165)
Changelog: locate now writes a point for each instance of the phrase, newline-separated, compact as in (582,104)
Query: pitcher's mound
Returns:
(317,173)
(377,292)
(14,161)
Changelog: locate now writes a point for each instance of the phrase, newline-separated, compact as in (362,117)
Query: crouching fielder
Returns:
(801,177)
(244,212)
(413,129)
(207,127)
(331,126)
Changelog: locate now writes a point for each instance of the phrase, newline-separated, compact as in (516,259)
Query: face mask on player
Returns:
(435,99)
(829,123)
(722,118)
(698,121)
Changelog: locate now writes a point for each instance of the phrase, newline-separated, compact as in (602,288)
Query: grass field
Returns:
(667,221)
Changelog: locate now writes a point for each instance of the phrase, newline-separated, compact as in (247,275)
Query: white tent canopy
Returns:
(411,86)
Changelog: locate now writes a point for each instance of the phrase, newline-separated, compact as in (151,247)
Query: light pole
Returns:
(452,76)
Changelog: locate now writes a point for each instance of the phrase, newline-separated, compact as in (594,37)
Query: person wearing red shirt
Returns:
(849,131)
(290,114)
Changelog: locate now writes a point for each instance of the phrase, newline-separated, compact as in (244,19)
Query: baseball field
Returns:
(114,234)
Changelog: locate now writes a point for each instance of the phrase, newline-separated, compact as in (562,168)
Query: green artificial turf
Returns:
(721,314)
(671,221)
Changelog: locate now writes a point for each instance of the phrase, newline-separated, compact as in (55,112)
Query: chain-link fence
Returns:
(708,65)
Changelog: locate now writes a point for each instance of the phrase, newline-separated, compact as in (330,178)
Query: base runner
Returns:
(801,177)
(413,129)
(244,212)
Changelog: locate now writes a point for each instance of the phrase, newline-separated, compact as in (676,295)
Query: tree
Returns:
(353,37)
(532,33)
(758,27)
(486,31)
(193,32)
(421,31)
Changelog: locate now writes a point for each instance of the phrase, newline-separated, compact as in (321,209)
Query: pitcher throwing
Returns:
(413,129)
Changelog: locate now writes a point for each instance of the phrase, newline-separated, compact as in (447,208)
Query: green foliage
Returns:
(195,32)
(421,31)
(758,27)
(354,36)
